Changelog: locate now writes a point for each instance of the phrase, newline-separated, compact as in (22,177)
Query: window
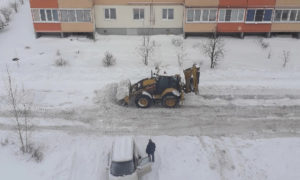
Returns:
(259,15)
(122,168)
(45,15)
(83,15)
(201,15)
(287,15)
(293,15)
(49,14)
(231,15)
(64,15)
(110,13)
(298,16)
(35,15)
(55,14)
(138,14)
(68,15)
(168,14)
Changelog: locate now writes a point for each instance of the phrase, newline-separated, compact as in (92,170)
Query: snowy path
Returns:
(106,117)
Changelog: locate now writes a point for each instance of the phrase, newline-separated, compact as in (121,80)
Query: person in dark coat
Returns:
(150,150)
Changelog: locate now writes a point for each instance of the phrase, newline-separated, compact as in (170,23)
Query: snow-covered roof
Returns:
(122,149)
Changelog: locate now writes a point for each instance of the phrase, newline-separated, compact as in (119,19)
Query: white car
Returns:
(124,161)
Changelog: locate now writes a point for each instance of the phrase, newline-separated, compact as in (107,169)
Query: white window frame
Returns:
(167,18)
(109,14)
(259,22)
(289,16)
(239,9)
(139,10)
(83,9)
(46,21)
(59,15)
(201,16)
(76,21)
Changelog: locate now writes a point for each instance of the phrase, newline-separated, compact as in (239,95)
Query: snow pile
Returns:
(123,89)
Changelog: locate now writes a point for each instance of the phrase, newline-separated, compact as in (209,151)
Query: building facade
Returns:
(137,17)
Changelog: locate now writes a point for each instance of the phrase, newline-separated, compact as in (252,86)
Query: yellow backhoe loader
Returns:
(167,90)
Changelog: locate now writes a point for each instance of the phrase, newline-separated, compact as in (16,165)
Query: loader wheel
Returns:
(170,101)
(143,101)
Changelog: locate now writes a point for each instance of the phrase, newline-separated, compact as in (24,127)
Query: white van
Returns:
(125,162)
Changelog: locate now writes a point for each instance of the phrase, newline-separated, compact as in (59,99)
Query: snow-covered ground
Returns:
(77,157)
(245,123)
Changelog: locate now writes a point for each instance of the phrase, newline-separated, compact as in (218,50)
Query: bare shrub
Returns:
(6,12)
(14,5)
(146,49)
(264,45)
(269,54)
(214,49)
(5,142)
(60,61)
(109,59)
(157,67)
(177,42)
(2,22)
(285,57)
(37,154)
(58,53)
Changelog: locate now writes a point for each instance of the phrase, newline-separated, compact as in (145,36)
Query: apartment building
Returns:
(137,17)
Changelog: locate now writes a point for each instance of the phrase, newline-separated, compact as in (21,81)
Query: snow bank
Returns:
(78,157)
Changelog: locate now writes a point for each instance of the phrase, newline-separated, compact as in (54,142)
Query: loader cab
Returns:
(124,161)
(164,82)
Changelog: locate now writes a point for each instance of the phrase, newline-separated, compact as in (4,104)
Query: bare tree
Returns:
(180,51)
(264,45)
(6,12)
(19,108)
(15,6)
(12,93)
(146,49)
(2,21)
(285,57)
(21,1)
(214,49)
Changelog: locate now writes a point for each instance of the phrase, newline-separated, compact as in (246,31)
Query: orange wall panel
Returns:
(261,3)
(200,27)
(44,3)
(287,3)
(257,28)
(47,27)
(233,3)
(230,27)
(77,27)
(75,3)
(202,3)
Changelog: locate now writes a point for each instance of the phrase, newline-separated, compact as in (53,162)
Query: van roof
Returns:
(122,149)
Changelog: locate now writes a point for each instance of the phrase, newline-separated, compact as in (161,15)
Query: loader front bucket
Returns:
(123,92)
(192,76)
